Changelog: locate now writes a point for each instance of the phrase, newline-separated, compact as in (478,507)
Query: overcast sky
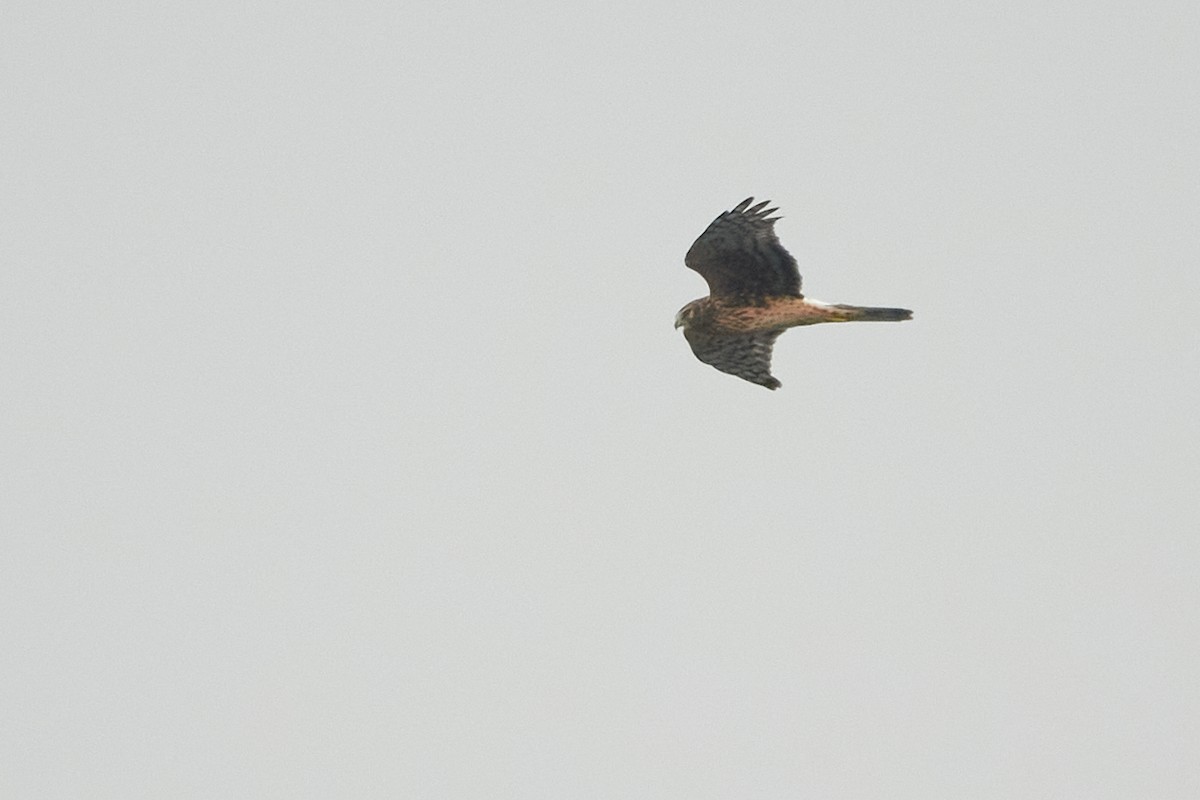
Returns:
(348,449)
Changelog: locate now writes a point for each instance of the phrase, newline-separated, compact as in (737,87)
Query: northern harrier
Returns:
(753,295)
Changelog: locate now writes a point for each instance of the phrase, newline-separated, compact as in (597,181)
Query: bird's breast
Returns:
(773,313)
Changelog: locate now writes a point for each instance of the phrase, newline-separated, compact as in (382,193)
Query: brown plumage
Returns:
(754,295)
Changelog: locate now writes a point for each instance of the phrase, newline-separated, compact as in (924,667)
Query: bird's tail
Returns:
(867,314)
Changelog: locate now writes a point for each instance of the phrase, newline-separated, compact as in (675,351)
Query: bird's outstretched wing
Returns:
(740,256)
(747,355)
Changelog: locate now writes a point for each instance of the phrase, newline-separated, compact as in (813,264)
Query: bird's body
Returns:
(754,296)
(720,315)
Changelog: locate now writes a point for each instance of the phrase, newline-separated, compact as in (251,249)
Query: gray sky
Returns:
(350,451)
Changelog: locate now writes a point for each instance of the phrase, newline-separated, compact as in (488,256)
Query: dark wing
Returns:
(740,256)
(746,355)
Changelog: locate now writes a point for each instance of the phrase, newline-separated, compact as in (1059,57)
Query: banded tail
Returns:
(867,314)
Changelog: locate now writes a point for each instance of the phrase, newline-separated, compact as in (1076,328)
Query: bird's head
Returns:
(687,314)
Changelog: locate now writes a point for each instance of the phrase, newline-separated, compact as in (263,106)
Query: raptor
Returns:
(753,295)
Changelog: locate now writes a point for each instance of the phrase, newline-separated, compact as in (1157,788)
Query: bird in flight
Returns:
(753,295)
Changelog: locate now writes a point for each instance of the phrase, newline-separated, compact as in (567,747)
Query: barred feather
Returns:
(740,256)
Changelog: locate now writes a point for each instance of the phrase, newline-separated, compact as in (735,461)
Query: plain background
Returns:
(348,449)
